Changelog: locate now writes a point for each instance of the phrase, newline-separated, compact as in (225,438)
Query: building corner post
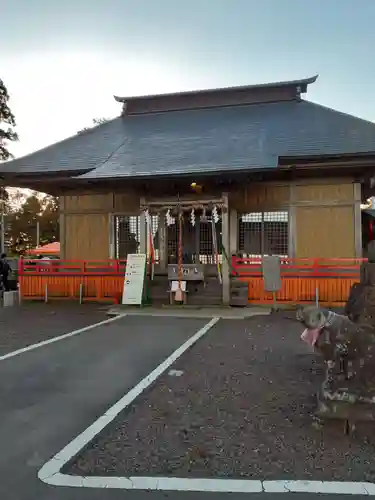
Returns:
(225,270)
(62,227)
(233,232)
(292,223)
(357,220)
(163,250)
(142,227)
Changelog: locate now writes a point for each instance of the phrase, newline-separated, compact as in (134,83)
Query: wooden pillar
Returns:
(143,232)
(62,227)
(111,236)
(357,220)
(162,231)
(197,238)
(292,226)
(233,232)
(225,241)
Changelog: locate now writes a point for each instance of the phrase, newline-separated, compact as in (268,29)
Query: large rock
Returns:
(367,273)
(355,303)
(371,251)
(360,306)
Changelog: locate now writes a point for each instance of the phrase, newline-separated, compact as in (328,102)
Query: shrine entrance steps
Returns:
(199,294)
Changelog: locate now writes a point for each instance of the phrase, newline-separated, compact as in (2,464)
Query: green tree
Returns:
(4,209)
(7,124)
(4,197)
(22,223)
(49,221)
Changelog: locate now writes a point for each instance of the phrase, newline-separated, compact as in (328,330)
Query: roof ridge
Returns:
(211,108)
(285,83)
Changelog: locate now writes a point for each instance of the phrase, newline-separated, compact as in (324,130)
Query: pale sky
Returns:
(63,61)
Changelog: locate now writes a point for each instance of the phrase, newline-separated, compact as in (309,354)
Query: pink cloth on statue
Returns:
(310,335)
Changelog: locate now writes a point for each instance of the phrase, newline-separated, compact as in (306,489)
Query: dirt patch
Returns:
(35,322)
(241,408)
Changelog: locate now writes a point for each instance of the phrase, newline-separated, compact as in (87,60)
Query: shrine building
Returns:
(255,170)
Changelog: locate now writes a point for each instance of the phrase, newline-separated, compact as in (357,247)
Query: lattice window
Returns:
(206,247)
(263,233)
(127,230)
(189,241)
(197,241)
(172,243)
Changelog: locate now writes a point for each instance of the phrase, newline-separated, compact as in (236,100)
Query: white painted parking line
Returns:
(211,485)
(53,466)
(50,472)
(60,337)
(322,487)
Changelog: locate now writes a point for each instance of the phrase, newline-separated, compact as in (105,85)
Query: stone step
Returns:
(196,300)
(239,301)
(198,294)
(191,291)
(239,292)
(191,300)
(161,294)
(205,293)
(239,284)
(190,285)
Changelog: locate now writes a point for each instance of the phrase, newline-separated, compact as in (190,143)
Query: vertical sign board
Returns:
(271,273)
(134,279)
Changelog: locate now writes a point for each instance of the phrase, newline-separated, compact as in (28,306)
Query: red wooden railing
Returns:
(57,267)
(103,280)
(303,280)
(90,280)
(313,268)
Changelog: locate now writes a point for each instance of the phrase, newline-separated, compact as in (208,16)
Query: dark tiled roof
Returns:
(205,140)
(81,152)
(233,138)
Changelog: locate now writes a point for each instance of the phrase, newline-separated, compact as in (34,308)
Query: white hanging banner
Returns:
(134,279)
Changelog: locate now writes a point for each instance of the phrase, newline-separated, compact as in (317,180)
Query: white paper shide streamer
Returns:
(169,219)
(215,215)
(148,218)
(192,217)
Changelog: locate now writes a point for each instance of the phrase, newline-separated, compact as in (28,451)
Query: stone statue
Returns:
(348,349)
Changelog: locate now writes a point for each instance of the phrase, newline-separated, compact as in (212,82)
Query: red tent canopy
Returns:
(49,249)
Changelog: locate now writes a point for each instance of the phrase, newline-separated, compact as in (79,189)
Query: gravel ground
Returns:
(34,322)
(242,408)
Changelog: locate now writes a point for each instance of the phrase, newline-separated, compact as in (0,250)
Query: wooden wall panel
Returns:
(326,232)
(127,203)
(87,236)
(322,214)
(87,202)
(324,192)
(86,222)
(260,196)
